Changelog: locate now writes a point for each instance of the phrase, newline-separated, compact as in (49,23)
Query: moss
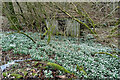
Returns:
(34,74)
(56,66)
(5,74)
(16,75)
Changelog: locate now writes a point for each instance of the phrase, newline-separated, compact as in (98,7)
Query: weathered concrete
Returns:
(69,26)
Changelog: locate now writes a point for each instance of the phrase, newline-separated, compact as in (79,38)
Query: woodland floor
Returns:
(37,68)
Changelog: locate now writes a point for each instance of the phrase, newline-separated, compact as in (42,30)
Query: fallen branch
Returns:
(75,19)
(23,34)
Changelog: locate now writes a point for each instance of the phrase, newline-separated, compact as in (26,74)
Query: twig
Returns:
(107,15)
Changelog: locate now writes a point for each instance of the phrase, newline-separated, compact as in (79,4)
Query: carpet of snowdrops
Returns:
(67,52)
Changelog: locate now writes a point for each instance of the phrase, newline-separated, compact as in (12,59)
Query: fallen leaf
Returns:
(61,76)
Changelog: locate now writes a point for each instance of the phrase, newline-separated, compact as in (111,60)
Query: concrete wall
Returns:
(71,27)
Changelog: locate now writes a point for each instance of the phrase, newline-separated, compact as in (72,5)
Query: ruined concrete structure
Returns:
(65,26)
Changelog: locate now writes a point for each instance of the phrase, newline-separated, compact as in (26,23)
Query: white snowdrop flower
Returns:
(12,45)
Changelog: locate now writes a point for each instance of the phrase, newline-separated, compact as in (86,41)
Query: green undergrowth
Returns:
(68,52)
